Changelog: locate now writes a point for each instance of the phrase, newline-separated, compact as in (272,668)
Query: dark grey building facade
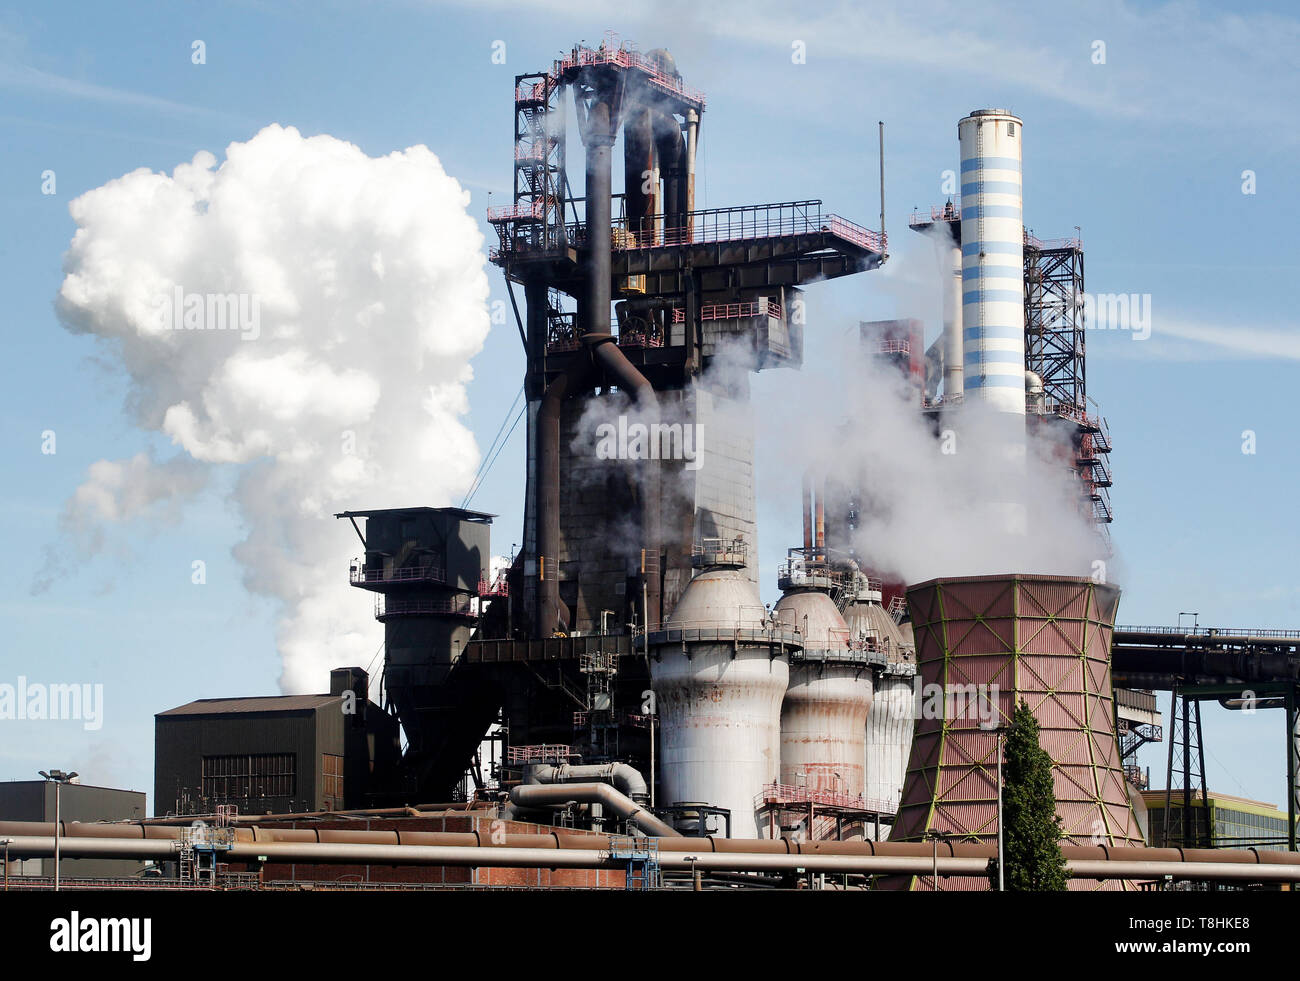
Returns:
(276,754)
(33,800)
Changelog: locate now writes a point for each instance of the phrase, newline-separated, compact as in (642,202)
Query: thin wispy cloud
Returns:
(25,76)
(1154,56)
(1177,339)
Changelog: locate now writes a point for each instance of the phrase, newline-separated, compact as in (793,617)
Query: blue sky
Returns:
(1145,152)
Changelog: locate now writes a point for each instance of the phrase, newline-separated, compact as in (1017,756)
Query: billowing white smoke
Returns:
(302,312)
(931,499)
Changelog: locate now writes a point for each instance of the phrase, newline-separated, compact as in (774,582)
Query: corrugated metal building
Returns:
(33,800)
(279,754)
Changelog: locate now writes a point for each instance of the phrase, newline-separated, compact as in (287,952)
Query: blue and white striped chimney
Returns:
(992,236)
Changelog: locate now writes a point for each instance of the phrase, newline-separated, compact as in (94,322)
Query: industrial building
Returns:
(617,707)
(276,754)
(33,801)
(1217,820)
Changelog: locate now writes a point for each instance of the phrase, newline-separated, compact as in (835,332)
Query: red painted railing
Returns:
(784,793)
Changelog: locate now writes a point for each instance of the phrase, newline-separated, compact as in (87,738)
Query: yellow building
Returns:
(1236,822)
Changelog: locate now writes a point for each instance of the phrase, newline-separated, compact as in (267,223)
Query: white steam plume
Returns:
(355,297)
(856,420)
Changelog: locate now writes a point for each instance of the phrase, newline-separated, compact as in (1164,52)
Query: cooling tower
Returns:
(992,236)
(983,644)
(824,715)
(719,670)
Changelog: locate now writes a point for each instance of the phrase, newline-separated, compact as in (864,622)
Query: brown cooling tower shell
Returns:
(1044,639)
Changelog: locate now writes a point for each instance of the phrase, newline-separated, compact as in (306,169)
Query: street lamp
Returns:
(59,778)
(999,730)
(6,842)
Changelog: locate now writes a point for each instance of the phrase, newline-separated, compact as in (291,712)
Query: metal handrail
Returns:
(1051,243)
(414,573)
(514,212)
(937,213)
(385,607)
(539,753)
(784,793)
(625,58)
(742,223)
(1210,631)
(732,311)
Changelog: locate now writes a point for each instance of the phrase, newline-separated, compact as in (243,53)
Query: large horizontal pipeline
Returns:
(491,856)
(576,851)
(416,810)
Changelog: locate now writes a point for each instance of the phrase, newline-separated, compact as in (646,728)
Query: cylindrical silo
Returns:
(719,670)
(889,725)
(992,236)
(823,718)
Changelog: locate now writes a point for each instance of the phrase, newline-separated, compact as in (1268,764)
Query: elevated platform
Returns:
(1164,658)
(732,252)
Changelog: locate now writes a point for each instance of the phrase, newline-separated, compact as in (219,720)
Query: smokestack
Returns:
(821,518)
(953,346)
(992,235)
(692,138)
(598,135)
(599,128)
(807,515)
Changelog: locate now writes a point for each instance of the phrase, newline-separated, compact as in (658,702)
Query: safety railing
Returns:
(802,572)
(761,307)
(744,223)
(205,837)
(894,347)
(539,753)
(388,607)
(533,91)
(637,337)
(536,152)
(498,587)
(720,551)
(517,212)
(1211,631)
(943,212)
(784,793)
(1050,244)
(429,572)
(623,57)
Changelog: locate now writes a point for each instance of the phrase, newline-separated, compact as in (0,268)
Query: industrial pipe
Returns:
(692,142)
(134,839)
(807,515)
(623,776)
(552,613)
(821,518)
(686,858)
(562,794)
(607,355)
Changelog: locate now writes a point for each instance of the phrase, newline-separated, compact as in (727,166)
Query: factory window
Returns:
(249,777)
(1011,129)
(332,771)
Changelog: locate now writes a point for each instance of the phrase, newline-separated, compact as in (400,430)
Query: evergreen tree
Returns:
(1032,834)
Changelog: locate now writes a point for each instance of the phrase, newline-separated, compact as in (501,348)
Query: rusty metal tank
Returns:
(719,669)
(891,721)
(824,714)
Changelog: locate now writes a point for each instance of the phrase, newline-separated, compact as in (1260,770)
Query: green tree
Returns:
(1032,835)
